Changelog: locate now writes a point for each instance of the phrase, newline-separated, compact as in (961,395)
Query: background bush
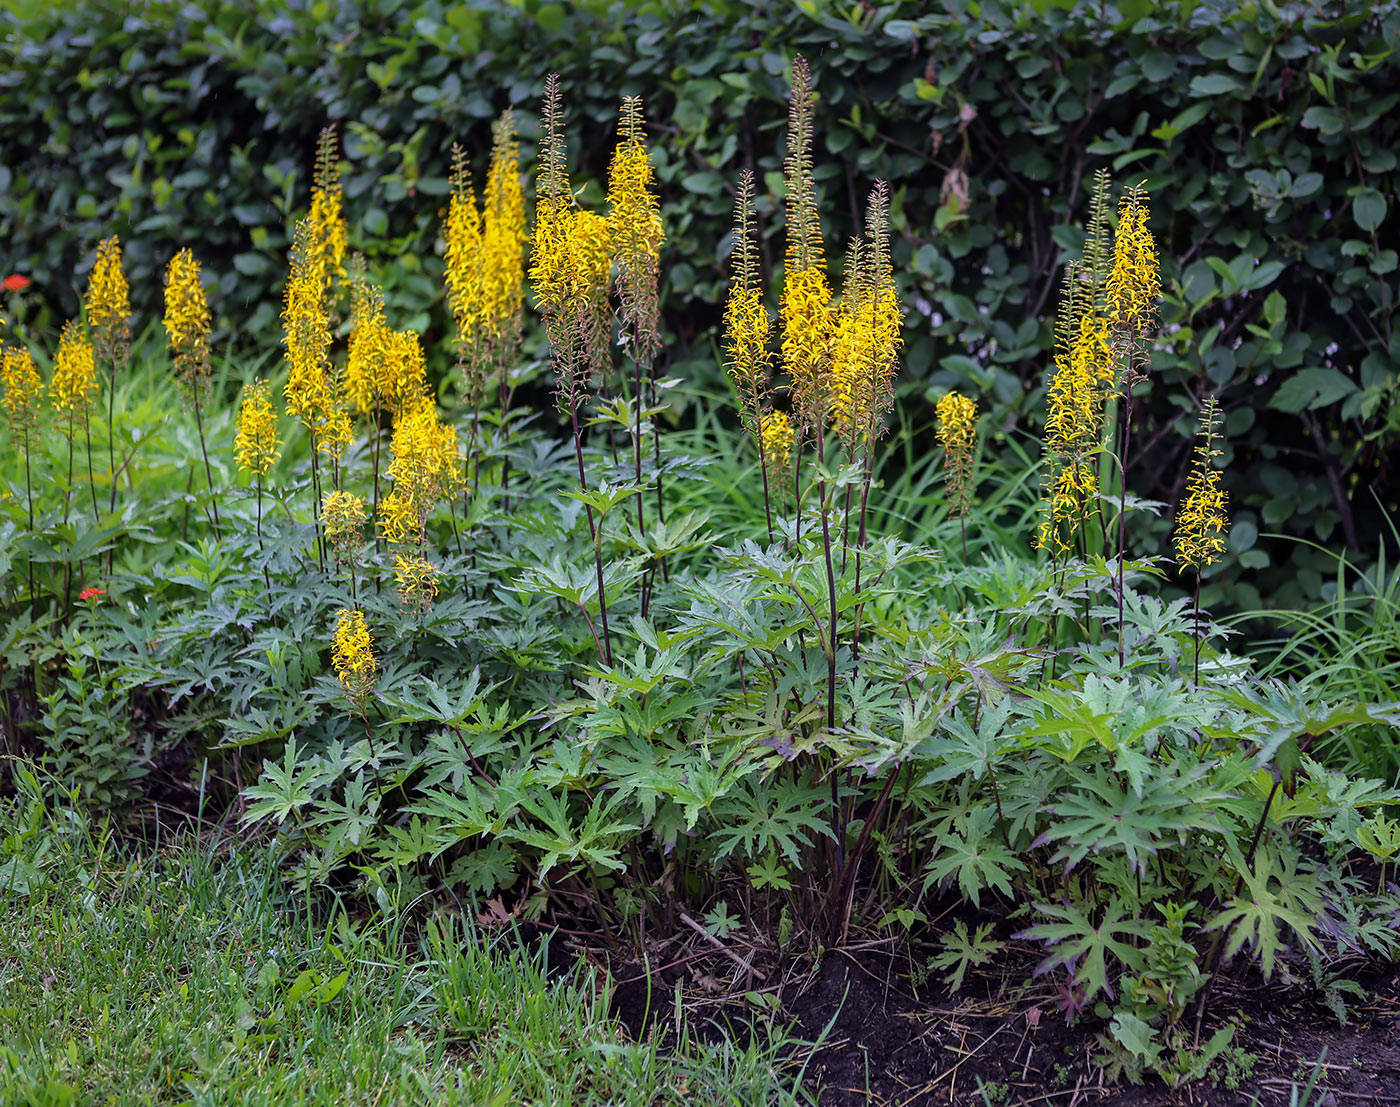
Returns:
(1267,132)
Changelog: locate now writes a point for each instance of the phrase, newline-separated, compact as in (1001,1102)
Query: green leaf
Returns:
(1075,939)
(1137,1037)
(1312,388)
(1213,84)
(1368,208)
(1327,120)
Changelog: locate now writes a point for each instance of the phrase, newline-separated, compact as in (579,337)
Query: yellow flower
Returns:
(404,375)
(417,581)
(570,266)
(957,433)
(187,320)
(806,315)
(1134,283)
(22,384)
(306,329)
(464,267)
(75,372)
(570,271)
(804,308)
(255,444)
(313,394)
(329,235)
(504,234)
(352,655)
(634,222)
(777,435)
(399,520)
(369,347)
(1203,518)
(344,516)
(108,300)
(747,325)
(426,466)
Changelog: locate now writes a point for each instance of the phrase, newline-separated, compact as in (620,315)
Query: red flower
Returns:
(91,593)
(15,282)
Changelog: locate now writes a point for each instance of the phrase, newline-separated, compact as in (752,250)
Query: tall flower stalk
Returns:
(255,447)
(1085,374)
(634,225)
(352,658)
(1134,286)
(570,267)
(806,316)
(71,389)
(1203,517)
(108,303)
(371,345)
(748,329)
(187,328)
(329,237)
(957,434)
(865,357)
(309,390)
(20,402)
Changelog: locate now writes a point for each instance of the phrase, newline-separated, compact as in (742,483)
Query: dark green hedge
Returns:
(1266,133)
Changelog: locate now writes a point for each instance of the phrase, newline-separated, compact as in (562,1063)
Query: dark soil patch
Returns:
(1004,1042)
(889,1046)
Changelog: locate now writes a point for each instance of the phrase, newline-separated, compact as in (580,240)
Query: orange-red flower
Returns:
(15,282)
(91,593)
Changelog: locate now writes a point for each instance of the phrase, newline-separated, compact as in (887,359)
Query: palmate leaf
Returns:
(1275,895)
(765,817)
(561,840)
(977,858)
(1076,941)
(965,751)
(284,789)
(1099,816)
(1289,716)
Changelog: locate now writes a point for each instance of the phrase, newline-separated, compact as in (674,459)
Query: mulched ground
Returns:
(1002,1042)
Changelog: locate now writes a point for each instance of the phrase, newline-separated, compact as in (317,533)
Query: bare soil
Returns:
(1001,1041)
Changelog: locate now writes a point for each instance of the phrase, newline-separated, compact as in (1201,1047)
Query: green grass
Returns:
(1347,649)
(189,975)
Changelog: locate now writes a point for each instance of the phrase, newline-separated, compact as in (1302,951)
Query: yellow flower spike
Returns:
(255,443)
(399,520)
(187,320)
(329,235)
(865,339)
(957,434)
(426,466)
(805,308)
(22,385)
(748,327)
(75,372)
(1203,518)
(1135,282)
(805,311)
(343,514)
(463,261)
(504,236)
(778,437)
(634,222)
(369,347)
(314,395)
(108,302)
(416,579)
(352,656)
(590,256)
(404,374)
